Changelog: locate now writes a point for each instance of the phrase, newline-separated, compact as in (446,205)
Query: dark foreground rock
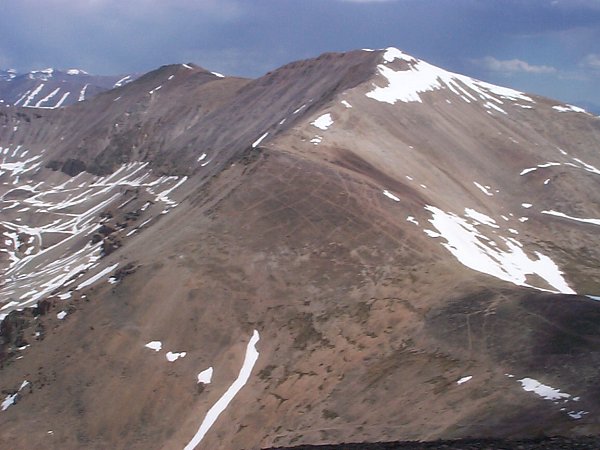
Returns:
(551,443)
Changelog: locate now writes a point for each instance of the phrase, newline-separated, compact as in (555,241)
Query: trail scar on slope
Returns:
(214,412)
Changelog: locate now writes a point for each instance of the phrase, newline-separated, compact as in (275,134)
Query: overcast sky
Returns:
(549,47)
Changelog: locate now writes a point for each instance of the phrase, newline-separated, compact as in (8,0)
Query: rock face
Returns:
(361,247)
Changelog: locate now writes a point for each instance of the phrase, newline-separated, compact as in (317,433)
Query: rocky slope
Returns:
(360,247)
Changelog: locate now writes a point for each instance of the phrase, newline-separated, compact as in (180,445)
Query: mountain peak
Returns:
(408,77)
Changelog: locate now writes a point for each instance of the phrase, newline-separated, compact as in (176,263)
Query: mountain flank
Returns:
(360,247)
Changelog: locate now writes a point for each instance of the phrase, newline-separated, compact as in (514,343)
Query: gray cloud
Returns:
(591,61)
(249,38)
(512,66)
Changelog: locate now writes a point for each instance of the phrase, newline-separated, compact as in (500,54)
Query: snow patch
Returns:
(205,376)
(577,414)
(543,390)
(323,122)
(174,356)
(569,108)
(154,345)
(474,250)
(9,401)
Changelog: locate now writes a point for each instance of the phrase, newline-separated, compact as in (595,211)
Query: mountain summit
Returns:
(355,248)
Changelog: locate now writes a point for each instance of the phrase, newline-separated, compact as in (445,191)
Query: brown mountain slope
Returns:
(374,254)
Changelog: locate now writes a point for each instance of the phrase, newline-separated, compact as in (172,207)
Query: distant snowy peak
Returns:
(409,77)
(52,88)
(7,75)
(44,74)
(76,72)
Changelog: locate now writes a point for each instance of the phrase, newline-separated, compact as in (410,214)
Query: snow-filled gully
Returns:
(213,413)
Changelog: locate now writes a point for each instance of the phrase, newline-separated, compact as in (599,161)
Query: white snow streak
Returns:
(464,379)
(82,93)
(122,81)
(259,140)
(46,98)
(31,96)
(482,189)
(96,277)
(526,171)
(578,219)
(390,195)
(214,412)
(62,100)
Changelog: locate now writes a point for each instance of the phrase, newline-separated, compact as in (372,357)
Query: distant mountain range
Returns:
(358,247)
(52,88)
